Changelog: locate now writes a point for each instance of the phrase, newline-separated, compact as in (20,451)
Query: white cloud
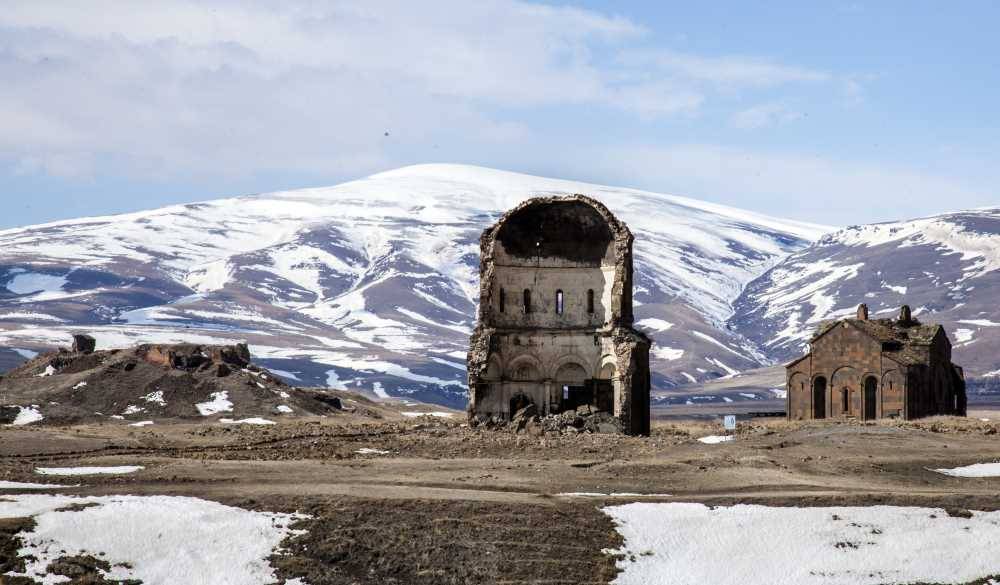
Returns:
(764,115)
(232,88)
(725,70)
(782,183)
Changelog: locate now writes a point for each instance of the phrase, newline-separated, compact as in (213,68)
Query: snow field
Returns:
(159,540)
(692,544)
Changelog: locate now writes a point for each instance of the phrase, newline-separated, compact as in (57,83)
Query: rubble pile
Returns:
(585,419)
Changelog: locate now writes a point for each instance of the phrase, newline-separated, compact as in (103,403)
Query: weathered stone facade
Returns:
(555,315)
(883,368)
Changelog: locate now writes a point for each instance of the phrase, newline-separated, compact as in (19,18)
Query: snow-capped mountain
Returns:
(946,267)
(370,285)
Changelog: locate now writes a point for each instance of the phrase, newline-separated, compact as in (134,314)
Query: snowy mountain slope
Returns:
(371,284)
(946,267)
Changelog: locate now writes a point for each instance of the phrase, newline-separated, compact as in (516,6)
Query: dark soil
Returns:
(415,542)
(9,545)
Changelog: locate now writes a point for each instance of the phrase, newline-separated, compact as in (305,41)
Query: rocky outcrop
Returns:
(196,357)
(84,344)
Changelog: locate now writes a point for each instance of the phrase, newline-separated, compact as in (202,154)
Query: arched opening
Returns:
(871,398)
(604,389)
(590,300)
(571,379)
(527,301)
(517,402)
(847,381)
(503,300)
(819,397)
(525,372)
(559,302)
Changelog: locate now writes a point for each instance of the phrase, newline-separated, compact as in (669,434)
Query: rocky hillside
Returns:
(151,383)
(370,285)
(946,267)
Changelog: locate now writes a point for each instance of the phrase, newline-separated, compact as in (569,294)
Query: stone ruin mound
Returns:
(152,382)
(583,419)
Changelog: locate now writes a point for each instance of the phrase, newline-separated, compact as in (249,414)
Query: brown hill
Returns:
(155,382)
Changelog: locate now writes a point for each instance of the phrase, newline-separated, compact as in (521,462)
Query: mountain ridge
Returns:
(371,284)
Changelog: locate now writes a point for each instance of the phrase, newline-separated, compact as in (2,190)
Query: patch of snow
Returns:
(142,423)
(41,286)
(283,408)
(27,415)
(611,495)
(286,375)
(80,385)
(779,392)
(49,370)
(334,381)
(155,397)
(689,377)
(114,470)
(980,322)
(16,485)
(667,353)
(729,371)
(963,335)
(219,403)
(748,395)
(653,324)
(132,409)
(975,470)
(158,540)
(377,389)
(370,451)
(247,421)
(448,363)
(464,329)
(25,353)
(29,316)
(715,439)
(715,341)
(694,544)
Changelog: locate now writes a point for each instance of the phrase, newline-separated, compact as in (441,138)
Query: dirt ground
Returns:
(437,502)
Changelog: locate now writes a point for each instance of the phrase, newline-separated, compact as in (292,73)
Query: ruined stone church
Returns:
(555,315)
(868,369)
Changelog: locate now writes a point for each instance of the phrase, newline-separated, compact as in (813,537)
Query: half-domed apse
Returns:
(570,230)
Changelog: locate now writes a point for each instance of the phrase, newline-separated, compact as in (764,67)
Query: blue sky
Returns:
(837,112)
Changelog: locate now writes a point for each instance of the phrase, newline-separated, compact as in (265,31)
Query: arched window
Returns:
(559,302)
(844,403)
(590,301)
(503,300)
(527,301)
